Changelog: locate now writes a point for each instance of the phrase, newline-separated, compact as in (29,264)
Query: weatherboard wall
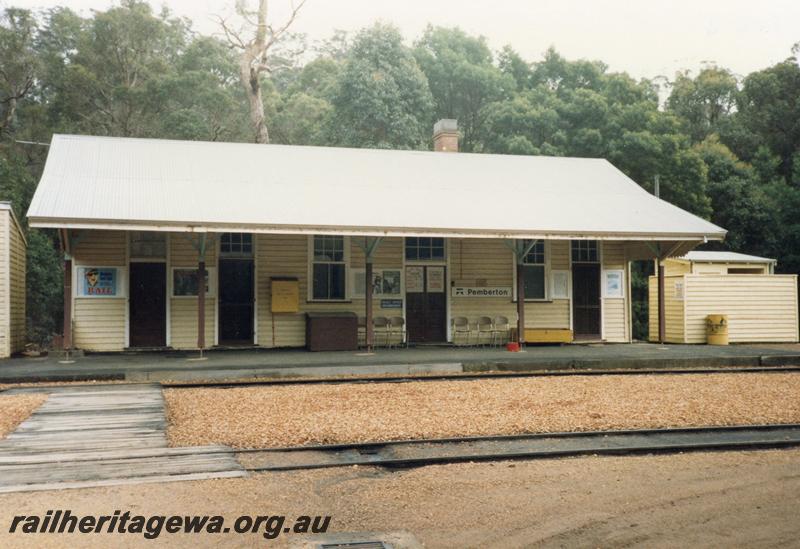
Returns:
(99,323)
(102,324)
(760,308)
(17,256)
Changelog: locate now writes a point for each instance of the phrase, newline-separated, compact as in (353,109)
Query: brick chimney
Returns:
(445,135)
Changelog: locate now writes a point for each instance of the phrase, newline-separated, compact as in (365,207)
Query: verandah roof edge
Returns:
(359,231)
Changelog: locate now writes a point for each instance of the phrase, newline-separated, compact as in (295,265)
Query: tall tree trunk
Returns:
(252,86)
(8,119)
(254,57)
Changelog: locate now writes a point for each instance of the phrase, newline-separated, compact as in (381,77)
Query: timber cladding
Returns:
(760,308)
(12,283)
(99,323)
(102,323)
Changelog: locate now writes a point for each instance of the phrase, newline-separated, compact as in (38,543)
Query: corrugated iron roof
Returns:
(127,183)
(725,257)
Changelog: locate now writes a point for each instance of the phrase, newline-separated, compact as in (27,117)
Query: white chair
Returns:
(461,328)
(501,331)
(380,329)
(396,331)
(484,329)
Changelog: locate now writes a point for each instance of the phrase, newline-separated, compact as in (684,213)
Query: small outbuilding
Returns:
(760,306)
(12,283)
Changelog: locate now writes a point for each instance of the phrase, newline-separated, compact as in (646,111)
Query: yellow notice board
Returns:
(285,296)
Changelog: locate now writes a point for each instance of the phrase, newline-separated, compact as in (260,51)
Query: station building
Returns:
(279,231)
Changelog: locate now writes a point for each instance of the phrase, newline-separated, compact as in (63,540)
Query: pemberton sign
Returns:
(482,291)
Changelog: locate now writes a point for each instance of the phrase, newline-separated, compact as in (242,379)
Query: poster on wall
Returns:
(436,279)
(390,282)
(184,282)
(385,282)
(98,281)
(560,289)
(414,280)
(613,284)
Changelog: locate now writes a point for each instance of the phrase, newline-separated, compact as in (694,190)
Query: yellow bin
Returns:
(717,329)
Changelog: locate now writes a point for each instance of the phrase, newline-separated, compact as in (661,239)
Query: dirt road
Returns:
(710,499)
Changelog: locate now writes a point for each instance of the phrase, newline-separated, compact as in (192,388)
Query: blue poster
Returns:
(99,281)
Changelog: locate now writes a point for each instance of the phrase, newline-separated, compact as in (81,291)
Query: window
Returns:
(533,270)
(328,268)
(584,251)
(236,244)
(148,244)
(424,249)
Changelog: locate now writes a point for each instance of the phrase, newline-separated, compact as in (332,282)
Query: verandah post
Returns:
(521,249)
(520,303)
(662,320)
(67,327)
(370,245)
(67,332)
(370,331)
(201,293)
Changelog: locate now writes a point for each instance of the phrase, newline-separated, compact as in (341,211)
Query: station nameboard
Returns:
(482,291)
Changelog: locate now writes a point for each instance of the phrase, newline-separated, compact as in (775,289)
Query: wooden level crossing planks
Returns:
(102,435)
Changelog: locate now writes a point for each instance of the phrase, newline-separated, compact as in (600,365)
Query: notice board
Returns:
(285,296)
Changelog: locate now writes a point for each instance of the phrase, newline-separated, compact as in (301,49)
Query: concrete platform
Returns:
(238,364)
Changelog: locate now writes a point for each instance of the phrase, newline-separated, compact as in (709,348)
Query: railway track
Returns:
(418,453)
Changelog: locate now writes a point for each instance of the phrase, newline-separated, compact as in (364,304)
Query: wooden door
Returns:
(235,301)
(586,300)
(426,304)
(148,305)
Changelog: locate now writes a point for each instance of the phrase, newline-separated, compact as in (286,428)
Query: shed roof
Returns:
(725,257)
(153,184)
(4,205)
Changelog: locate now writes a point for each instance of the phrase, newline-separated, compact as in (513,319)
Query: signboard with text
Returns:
(482,291)
(98,281)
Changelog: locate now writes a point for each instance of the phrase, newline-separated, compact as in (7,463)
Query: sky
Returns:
(642,37)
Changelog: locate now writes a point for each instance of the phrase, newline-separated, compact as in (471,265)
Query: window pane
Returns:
(534,281)
(424,248)
(536,254)
(321,280)
(329,248)
(336,281)
(148,244)
(584,251)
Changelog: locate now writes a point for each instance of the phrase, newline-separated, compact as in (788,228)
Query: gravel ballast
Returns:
(273,416)
(14,409)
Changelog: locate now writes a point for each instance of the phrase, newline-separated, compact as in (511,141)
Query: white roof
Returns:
(151,184)
(725,257)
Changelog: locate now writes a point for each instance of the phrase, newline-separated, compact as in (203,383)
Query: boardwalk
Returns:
(102,435)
